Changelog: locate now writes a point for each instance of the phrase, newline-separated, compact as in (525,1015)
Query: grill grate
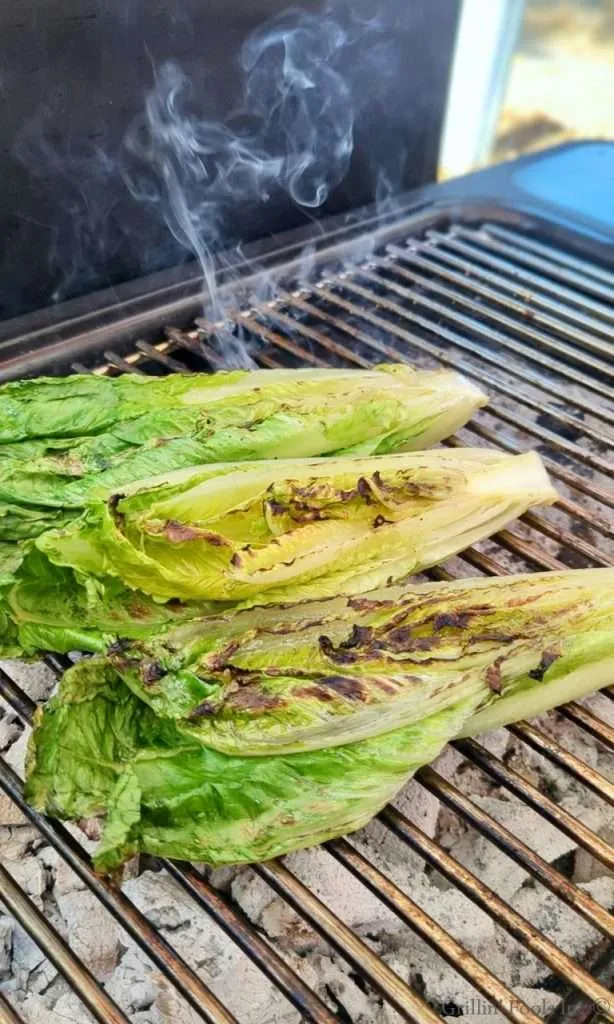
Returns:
(531,323)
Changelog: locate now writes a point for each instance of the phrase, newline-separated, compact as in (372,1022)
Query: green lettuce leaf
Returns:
(97,750)
(296,529)
(11,558)
(115,741)
(52,608)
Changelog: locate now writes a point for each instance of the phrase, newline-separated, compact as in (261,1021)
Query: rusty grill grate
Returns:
(532,323)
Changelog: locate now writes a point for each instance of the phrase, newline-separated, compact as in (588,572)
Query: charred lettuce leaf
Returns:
(316,674)
(295,529)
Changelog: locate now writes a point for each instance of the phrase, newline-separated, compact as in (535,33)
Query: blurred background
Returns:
(528,74)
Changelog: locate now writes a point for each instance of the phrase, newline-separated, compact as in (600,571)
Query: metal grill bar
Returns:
(136,924)
(312,1008)
(280,341)
(485,563)
(511,280)
(460,364)
(519,327)
(566,475)
(417,298)
(580,1011)
(513,297)
(125,365)
(511,542)
(564,537)
(549,747)
(559,256)
(8,1015)
(480,248)
(195,342)
(173,365)
(484,897)
(554,813)
(592,519)
(583,717)
(443,943)
(346,942)
(48,939)
(517,850)
(440,355)
(585,282)
(328,318)
(334,347)
(16,698)
(521,373)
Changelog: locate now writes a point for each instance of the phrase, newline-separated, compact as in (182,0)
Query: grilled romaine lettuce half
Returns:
(66,441)
(300,528)
(271,534)
(284,679)
(241,738)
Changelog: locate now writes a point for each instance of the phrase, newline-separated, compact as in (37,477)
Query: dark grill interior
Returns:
(532,324)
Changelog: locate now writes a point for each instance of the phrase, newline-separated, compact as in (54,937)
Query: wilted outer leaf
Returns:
(97,749)
(298,528)
(51,608)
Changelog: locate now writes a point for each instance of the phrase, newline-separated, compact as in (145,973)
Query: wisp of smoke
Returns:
(306,77)
(298,119)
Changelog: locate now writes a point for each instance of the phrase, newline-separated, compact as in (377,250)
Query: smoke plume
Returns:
(306,77)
